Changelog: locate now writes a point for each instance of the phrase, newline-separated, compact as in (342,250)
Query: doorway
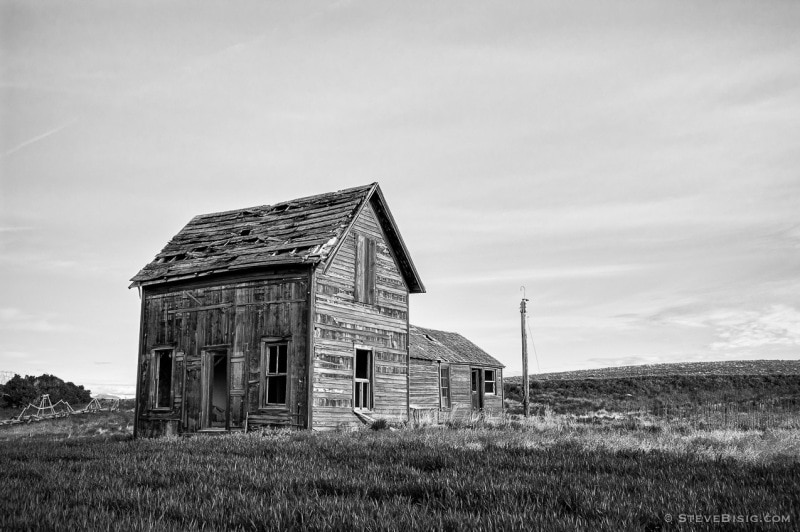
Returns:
(217,392)
(477,389)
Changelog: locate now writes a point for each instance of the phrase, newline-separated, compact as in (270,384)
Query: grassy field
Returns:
(620,468)
(547,473)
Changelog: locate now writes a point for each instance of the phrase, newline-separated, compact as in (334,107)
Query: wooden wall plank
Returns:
(232,318)
(341,323)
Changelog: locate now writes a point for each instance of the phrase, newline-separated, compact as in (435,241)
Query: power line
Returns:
(533,344)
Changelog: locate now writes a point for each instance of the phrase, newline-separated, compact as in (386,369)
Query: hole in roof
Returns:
(428,336)
(245,232)
(280,208)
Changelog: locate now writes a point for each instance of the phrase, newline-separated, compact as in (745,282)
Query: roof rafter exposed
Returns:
(301,231)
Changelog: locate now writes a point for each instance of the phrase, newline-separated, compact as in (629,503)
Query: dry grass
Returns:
(103,424)
(647,434)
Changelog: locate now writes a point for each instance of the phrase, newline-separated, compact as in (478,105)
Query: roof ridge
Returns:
(437,330)
(271,205)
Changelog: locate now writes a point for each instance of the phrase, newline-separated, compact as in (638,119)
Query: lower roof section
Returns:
(432,344)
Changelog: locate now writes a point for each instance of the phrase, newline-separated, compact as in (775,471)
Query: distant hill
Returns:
(730,367)
(745,383)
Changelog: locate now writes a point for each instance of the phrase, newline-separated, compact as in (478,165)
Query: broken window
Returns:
(275,362)
(161,379)
(489,387)
(362,382)
(444,385)
(365,270)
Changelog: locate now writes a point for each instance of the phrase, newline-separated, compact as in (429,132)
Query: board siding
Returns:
(232,317)
(425,390)
(424,379)
(341,323)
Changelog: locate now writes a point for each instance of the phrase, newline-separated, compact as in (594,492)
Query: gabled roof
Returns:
(301,231)
(430,344)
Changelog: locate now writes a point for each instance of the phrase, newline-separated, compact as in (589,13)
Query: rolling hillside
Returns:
(772,385)
(732,367)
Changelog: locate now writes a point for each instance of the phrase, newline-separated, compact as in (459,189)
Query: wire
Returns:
(533,344)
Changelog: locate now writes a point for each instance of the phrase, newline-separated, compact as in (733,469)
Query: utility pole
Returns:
(525,383)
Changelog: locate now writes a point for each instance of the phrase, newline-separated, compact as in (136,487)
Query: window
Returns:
(365,270)
(362,380)
(444,385)
(275,363)
(488,382)
(161,379)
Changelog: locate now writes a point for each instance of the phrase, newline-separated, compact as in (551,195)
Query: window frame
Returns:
(442,388)
(492,381)
(370,380)
(155,379)
(265,375)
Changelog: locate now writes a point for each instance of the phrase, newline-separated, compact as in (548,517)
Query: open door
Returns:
(216,392)
(477,389)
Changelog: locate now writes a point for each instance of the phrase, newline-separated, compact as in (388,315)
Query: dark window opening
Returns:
(444,385)
(163,379)
(362,364)
(276,373)
(362,382)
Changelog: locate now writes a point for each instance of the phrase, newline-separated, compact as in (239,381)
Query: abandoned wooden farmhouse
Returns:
(450,376)
(294,314)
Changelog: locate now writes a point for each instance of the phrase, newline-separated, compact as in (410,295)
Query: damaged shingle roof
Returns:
(430,344)
(304,230)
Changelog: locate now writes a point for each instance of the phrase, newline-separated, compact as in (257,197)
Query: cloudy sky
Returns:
(635,165)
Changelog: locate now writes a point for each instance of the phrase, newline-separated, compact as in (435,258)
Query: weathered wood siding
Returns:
(460,380)
(230,317)
(341,323)
(460,392)
(424,383)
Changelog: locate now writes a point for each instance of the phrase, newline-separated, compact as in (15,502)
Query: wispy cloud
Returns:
(15,229)
(85,265)
(779,325)
(738,328)
(600,270)
(36,139)
(15,354)
(14,319)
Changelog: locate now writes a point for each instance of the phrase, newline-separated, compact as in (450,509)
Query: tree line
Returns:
(19,391)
